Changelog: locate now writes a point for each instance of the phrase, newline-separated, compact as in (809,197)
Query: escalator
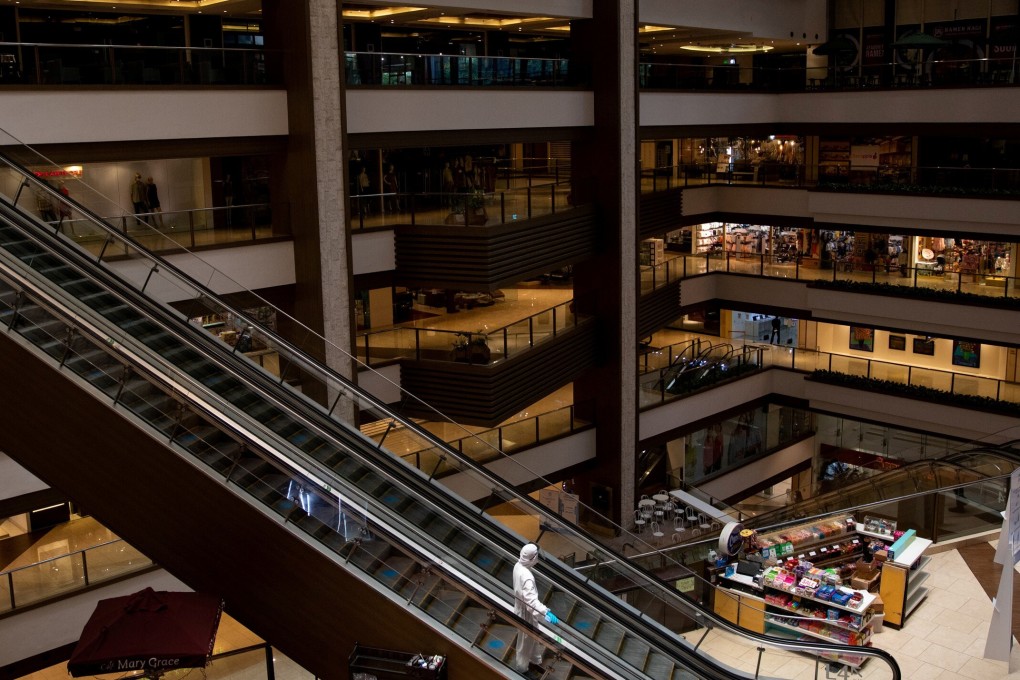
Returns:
(340,497)
(710,365)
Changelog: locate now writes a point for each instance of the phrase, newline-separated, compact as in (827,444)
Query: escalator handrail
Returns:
(432,553)
(570,575)
(124,347)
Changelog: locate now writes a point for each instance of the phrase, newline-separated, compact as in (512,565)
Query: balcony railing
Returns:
(69,64)
(925,180)
(174,229)
(807,361)
(923,276)
(508,438)
(464,209)
(33,583)
(935,73)
(473,347)
(408,69)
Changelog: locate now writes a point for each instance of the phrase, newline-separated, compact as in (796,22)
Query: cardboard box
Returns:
(881,556)
(878,607)
(864,580)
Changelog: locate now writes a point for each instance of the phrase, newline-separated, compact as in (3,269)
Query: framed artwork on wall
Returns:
(862,339)
(924,346)
(898,342)
(966,353)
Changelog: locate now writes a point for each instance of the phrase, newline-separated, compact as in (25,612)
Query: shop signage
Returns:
(685,585)
(864,156)
(72,171)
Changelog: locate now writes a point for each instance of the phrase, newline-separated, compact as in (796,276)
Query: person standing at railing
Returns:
(138,202)
(389,182)
(362,184)
(152,198)
(228,198)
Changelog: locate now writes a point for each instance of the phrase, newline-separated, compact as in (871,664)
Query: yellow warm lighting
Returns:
(655,29)
(380,13)
(726,49)
(484,22)
(149,4)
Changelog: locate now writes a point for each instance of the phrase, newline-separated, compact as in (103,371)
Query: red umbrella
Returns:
(149,631)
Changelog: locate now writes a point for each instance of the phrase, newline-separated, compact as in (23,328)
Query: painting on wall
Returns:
(862,339)
(898,342)
(966,353)
(924,346)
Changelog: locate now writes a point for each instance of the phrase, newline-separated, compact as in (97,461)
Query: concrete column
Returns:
(329,155)
(606,284)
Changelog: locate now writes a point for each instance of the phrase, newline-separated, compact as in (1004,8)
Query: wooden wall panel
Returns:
(658,308)
(660,213)
(279,586)
(485,258)
(488,395)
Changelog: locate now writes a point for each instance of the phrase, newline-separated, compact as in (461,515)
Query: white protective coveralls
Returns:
(528,607)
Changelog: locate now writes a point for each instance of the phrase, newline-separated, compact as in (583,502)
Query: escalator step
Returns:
(469,621)
(444,604)
(396,572)
(499,643)
(659,665)
(491,562)
(635,651)
(610,635)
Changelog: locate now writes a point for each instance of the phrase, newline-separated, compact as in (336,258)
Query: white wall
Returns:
(80,116)
(981,105)
(373,251)
(226,270)
(400,110)
(16,480)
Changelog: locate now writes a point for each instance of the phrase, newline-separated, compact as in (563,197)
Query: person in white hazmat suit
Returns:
(528,607)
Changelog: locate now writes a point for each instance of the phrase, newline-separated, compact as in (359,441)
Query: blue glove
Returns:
(550,617)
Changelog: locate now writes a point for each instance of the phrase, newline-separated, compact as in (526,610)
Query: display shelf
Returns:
(773,621)
(901,585)
(915,598)
(866,617)
(866,601)
(912,552)
(888,538)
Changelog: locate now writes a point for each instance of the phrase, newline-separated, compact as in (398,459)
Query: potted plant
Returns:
(468,209)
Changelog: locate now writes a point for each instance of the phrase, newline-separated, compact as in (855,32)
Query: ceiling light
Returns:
(727,49)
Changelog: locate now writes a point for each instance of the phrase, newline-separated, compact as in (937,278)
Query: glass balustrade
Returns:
(70,64)
(846,275)
(472,347)
(49,578)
